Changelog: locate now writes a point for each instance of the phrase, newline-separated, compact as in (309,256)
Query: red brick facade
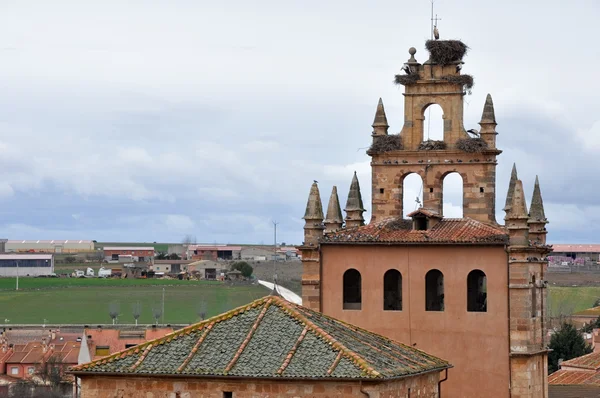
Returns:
(425,386)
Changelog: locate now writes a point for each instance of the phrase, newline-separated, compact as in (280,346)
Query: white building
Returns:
(49,246)
(12,265)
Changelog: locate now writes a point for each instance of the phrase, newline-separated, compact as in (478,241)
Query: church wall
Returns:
(476,343)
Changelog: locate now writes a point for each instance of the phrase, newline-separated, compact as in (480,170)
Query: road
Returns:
(285,293)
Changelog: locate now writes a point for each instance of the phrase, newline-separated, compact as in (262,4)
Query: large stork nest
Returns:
(464,80)
(471,145)
(407,80)
(432,145)
(445,52)
(386,143)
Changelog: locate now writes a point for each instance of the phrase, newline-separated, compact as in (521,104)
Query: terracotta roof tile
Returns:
(270,337)
(447,230)
(572,377)
(589,361)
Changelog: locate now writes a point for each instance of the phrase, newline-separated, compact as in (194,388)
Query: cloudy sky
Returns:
(149,120)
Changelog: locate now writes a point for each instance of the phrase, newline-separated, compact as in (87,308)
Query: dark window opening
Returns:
(476,291)
(392,291)
(431,190)
(227,394)
(421,223)
(481,190)
(533,298)
(352,290)
(130,345)
(381,190)
(434,291)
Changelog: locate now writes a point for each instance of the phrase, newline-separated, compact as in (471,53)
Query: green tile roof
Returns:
(270,337)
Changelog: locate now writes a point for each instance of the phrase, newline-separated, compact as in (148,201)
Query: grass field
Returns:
(567,300)
(78,300)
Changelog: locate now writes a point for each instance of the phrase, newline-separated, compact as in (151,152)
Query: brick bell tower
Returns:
(437,81)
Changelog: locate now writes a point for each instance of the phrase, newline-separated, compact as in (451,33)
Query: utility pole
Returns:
(275,252)
(163,307)
(17,261)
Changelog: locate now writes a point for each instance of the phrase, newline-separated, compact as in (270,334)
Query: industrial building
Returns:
(214,252)
(49,246)
(12,265)
(575,251)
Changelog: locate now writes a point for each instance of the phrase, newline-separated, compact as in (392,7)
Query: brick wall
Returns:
(424,386)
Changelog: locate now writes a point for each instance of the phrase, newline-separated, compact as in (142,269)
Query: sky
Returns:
(151,120)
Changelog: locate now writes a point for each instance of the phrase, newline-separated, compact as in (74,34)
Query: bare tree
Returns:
(201,311)
(189,239)
(137,311)
(113,311)
(156,313)
(51,371)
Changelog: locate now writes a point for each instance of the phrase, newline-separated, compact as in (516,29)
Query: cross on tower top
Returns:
(434,21)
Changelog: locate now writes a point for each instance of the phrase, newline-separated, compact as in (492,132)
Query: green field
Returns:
(82,300)
(567,300)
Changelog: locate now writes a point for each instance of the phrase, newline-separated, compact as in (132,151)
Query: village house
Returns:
(577,378)
(465,289)
(100,342)
(269,347)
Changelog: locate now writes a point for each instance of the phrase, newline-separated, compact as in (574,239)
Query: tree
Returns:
(136,309)
(51,372)
(189,239)
(567,343)
(156,313)
(242,266)
(597,302)
(174,256)
(201,312)
(591,326)
(113,311)
(161,256)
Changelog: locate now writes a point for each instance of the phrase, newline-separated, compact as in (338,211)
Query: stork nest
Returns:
(464,80)
(406,80)
(471,145)
(386,143)
(399,224)
(445,52)
(432,145)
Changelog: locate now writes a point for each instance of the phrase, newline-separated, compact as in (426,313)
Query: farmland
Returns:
(83,300)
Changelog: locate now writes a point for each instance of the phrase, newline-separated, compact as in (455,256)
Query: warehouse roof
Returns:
(270,337)
(127,248)
(25,256)
(567,248)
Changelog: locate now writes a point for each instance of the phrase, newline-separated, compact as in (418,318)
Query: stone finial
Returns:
(488,115)
(518,206)
(536,211)
(314,208)
(511,188)
(380,124)
(412,51)
(334,219)
(354,205)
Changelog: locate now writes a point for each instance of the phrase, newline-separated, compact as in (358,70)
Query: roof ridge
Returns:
(293,350)
(240,350)
(354,357)
(195,348)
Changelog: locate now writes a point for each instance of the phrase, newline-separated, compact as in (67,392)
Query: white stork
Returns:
(436,33)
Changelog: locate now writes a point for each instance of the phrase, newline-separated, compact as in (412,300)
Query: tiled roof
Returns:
(270,337)
(562,248)
(447,230)
(594,311)
(589,361)
(573,377)
(573,391)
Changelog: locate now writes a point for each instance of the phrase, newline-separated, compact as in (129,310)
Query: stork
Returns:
(436,33)
(473,132)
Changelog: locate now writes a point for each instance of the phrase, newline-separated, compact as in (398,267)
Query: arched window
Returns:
(433,125)
(352,286)
(434,291)
(412,193)
(392,291)
(476,291)
(452,195)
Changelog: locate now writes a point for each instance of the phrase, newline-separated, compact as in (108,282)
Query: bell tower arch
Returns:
(472,155)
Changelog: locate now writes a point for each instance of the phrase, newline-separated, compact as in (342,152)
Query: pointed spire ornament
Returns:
(518,206)
(511,188)
(334,219)
(380,124)
(488,115)
(536,212)
(314,207)
(354,205)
